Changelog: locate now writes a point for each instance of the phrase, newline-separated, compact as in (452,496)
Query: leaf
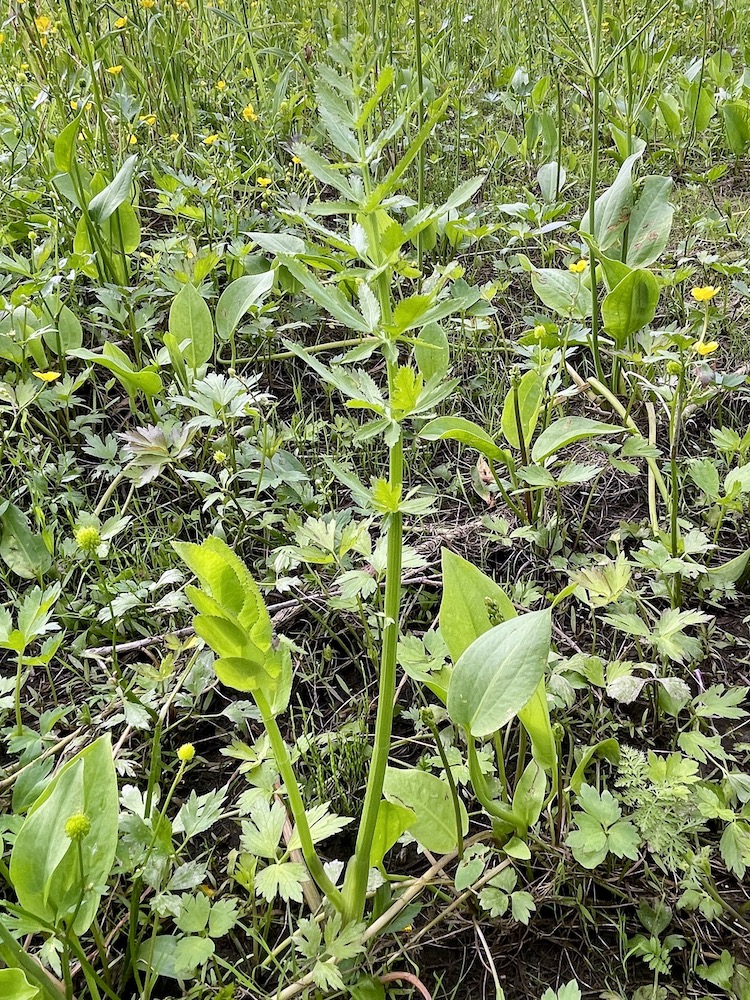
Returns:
(237,298)
(65,146)
(67,336)
(393,820)
(499,672)
(328,297)
(284,878)
(24,552)
(193,915)
(44,863)
(613,208)
(562,291)
(261,833)
(190,319)
(567,431)
(191,953)
(650,222)
(464,431)
(15,986)
(468,596)
(630,305)
(429,798)
(529,393)
(106,203)
(535,719)
(431,351)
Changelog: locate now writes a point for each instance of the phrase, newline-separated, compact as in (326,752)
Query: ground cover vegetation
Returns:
(375,469)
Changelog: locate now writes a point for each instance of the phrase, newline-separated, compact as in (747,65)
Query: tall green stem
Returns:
(355,886)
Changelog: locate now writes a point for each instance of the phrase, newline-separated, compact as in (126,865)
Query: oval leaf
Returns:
(567,431)
(499,673)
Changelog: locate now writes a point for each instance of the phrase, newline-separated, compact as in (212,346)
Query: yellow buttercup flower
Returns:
(264,182)
(43,24)
(706,347)
(147,119)
(296,159)
(121,22)
(47,376)
(74,105)
(704,294)
(114,70)
(248,113)
(147,4)
(132,140)
(578,266)
(209,140)
(174,137)
(221,85)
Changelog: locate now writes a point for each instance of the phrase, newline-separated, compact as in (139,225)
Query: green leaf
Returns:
(650,222)
(237,298)
(609,749)
(15,986)
(67,336)
(631,305)
(106,203)
(392,821)
(529,793)
(44,863)
(567,431)
(736,118)
(468,597)
(328,297)
(562,291)
(24,552)
(530,393)
(499,672)
(429,798)
(65,146)
(535,719)
(464,431)
(612,209)
(284,878)
(431,351)
(190,319)
(705,475)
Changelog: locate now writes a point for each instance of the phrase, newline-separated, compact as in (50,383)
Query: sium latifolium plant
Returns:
(499,664)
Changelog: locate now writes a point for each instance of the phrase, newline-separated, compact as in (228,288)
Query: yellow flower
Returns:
(74,105)
(147,119)
(47,376)
(174,137)
(121,22)
(186,753)
(296,159)
(2,37)
(704,348)
(704,294)
(221,85)
(248,113)
(539,331)
(264,182)
(147,4)
(114,70)
(578,266)
(88,538)
(220,457)
(209,140)
(43,24)
(132,140)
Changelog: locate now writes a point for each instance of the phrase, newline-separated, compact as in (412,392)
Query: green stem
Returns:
(355,886)
(284,764)
(429,719)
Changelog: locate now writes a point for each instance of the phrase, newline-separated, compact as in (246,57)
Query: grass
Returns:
(163,145)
